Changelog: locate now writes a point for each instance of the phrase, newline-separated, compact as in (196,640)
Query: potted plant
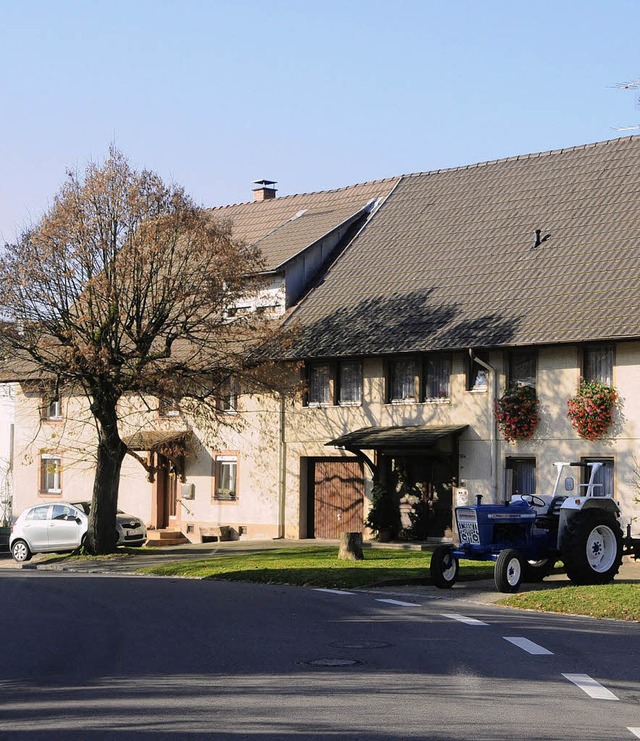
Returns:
(517,412)
(384,516)
(591,409)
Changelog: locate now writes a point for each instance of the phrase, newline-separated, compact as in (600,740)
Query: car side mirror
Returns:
(568,483)
(78,520)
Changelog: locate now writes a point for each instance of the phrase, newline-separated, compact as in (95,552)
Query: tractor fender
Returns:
(572,508)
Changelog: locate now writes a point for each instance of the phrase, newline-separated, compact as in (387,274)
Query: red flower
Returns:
(591,410)
(517,412)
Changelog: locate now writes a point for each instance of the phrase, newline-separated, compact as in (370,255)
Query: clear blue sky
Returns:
(214,94)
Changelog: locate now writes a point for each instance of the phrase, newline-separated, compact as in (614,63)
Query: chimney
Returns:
(264,190)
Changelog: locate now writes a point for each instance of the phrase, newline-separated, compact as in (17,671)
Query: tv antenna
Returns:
(626,85)
(633,85)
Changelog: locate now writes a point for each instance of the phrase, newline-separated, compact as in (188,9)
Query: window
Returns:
(226,477)
(50,474)
(339,382)
(168,408)
(522,368)
(597,364)
(320,384)
(63,512)
(403,375)
(228,399)
(38,513)
(477,374)
(52,408)
(437,377)
(520,476)
(349,382)
(604,476)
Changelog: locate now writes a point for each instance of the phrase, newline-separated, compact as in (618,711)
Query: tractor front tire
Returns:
(444,567)
(591,548)
(509,571)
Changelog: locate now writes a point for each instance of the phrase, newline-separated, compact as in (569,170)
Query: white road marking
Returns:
(635,731)
(529,646)
(332,591)
(464,619)
(398,602)
(590,686)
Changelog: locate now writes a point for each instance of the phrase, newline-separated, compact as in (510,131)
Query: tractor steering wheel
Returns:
(533,500)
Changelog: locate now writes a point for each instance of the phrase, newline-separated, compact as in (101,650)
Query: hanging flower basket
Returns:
(591,409)
(517,412)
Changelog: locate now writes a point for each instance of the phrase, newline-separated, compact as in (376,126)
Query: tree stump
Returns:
(351,547)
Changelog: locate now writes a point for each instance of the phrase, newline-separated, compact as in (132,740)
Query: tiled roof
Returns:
(448,260)
(285,226)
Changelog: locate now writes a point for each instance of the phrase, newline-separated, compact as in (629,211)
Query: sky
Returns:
(214,94)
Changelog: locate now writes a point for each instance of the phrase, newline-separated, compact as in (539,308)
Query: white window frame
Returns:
(230,462)
(51,480)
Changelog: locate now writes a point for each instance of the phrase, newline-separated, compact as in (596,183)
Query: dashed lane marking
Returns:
(464,619)
(398,602)
(332,591)
(590,686)
(635,731)
(529,646)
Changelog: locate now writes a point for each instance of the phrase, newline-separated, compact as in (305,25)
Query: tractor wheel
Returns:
(536,571)
(444,567)
(509,570)
(592,547)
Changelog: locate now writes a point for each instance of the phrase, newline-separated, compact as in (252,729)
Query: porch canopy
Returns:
(156,440)
(397,438)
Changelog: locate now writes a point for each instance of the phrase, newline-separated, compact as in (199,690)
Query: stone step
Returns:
(163,538)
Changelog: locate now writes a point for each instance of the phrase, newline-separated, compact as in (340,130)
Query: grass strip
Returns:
(619,601)
(318,566)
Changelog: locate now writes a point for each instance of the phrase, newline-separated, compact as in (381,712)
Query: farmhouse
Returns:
(419,300)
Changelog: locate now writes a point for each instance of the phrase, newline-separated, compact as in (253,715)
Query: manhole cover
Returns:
(360,644)
(331,662)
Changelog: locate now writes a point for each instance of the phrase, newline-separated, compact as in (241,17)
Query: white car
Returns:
(62,526)
(131,530)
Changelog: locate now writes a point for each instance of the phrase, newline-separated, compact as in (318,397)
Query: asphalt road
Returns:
(122,657)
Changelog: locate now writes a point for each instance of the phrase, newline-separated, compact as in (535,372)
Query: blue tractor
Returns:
(577,524)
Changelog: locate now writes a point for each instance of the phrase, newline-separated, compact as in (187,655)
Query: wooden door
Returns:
(166,493)
(338,498)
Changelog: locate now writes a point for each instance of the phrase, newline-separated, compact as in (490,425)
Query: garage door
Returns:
(338,498)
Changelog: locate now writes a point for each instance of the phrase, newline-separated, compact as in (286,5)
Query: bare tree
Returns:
(126,287)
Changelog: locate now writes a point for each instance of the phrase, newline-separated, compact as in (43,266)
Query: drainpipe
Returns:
(282,468)
(493,430)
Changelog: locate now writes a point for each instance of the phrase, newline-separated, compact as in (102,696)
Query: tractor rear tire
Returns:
(444,567)
(591,548)
(509,571)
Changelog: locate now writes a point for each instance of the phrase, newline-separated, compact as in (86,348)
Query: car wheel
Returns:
(20,551)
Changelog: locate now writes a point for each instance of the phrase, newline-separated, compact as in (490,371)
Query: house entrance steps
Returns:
(165,537)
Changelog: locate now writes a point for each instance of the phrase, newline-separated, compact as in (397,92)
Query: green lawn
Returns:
(318,566)
(620,601)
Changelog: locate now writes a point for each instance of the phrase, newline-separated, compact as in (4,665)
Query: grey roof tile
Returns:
(272,224)
(447,261)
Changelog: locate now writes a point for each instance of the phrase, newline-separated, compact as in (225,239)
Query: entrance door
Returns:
(338,497)
(166,493)
(429,478)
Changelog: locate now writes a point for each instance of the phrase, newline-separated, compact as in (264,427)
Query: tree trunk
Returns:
(351,547)
(101,535)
